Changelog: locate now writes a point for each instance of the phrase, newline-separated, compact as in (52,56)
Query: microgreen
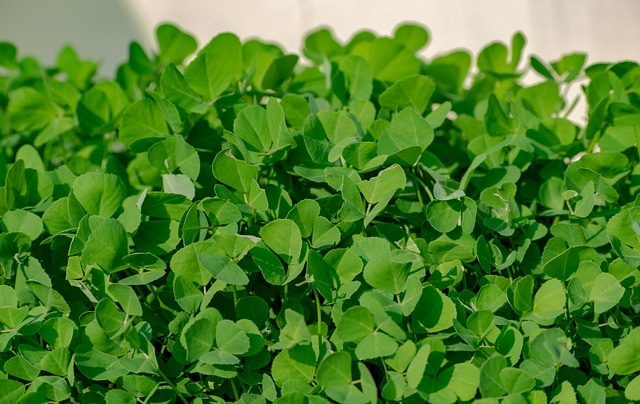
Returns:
(365,223)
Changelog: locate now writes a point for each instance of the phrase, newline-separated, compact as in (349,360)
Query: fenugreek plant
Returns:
(366,222)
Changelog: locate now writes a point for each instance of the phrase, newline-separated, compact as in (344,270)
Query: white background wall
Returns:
(102,29)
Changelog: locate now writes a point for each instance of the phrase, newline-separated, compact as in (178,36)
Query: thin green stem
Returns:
(235,389)
(235,295)
(319,315)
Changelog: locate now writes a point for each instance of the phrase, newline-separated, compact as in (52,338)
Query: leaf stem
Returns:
(319,315)
(235,389)
(235,295)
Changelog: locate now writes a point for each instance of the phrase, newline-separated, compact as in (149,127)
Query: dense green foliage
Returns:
(364,225)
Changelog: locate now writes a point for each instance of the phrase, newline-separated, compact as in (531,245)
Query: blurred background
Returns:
(102,29)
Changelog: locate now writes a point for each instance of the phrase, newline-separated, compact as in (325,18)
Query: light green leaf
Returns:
(417,367)
(231,338)
(174,44)
(22,221)
(413,91)
(335,370)
(376,345)
(222,268)
(178,184)
(548,303)
(632,391)
(217,65)
(197,338)
(605,293)
(623,360)
(175,153)
(284,238)
(106,246)
(297,363)
(325,234)
(187,264)
(389,272)
(407,137)
(30,110)
(355,324)
(384,185)
(99,194)
(109,317)
(233,172)
(142,124)
(434,311)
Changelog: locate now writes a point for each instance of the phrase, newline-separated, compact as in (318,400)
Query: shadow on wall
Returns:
(98,30)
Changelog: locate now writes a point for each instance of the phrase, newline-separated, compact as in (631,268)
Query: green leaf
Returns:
(186,261)
(56,362)
(30,110)
(222,268)
(446,215)
(231,338)
(325,234)
(490,377)
(8,54)
(21,221)
(565,264)
(175,153)
(355,324)
(178,184)
(11,390)
(176,89)
(297,363)
(622,227)
(19,367)
(632,391)
(516,381)
(106,246)
(304,214)
(197,338)
(233,172)
(434,311)
(174,44)
(187,295)
(384,185)
(497,121)
(548,302)
(542,99)
(253,308)
(217,65)
(142,124)
(359,76)
(109,317)
(412,36)
(99,194)
(26,187)
(284,238)
(335,370)
(606,293)
(388,57)
(520,294)
(623,359)
(376,345)
(417,367)
(413,91)
(407,137)
(389,273)
(464,380)
(127,298)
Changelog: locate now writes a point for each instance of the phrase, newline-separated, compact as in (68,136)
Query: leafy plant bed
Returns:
(364,225)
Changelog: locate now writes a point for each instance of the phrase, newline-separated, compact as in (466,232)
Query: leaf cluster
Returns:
(356,224)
